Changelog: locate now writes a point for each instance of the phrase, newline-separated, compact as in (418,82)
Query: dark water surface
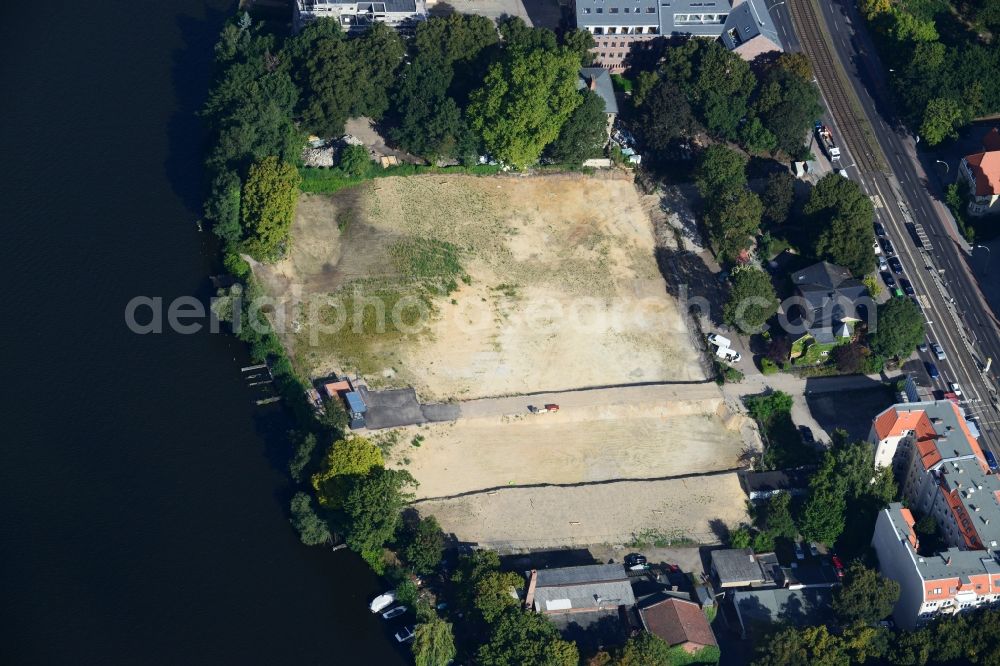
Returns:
(142,497)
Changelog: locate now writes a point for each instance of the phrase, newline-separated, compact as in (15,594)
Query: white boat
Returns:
(394,612)
(382,601)
(405,634)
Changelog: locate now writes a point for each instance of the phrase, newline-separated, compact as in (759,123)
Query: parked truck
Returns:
(826,139)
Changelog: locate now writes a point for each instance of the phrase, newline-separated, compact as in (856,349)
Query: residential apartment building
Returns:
(358,16)
(982,173)
(619,26)
(942,472)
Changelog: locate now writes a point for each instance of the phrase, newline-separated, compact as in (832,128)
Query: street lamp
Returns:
(946,170)
(775,5)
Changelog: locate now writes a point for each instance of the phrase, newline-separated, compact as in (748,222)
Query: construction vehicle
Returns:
(826,138)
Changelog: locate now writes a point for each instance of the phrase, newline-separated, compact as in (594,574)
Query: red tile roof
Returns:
(962,519)
(678,622)
(985,169)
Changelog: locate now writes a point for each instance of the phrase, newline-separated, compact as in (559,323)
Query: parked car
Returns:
(932,371)
(888,279)
(635,562)
(719,340)
(799,553)
(876,247)
(814,549)
(807,434)
(907,287)
(879,229)
(955,388)
(896,265)
(883,265)
(393,612)
(938,351)
(887,247)
(838,566)
(922,347)
(405,634)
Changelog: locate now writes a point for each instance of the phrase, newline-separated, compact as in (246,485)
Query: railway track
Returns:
(854,128)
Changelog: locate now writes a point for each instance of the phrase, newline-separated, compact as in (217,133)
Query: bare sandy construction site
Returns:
(511,286)
(501,285)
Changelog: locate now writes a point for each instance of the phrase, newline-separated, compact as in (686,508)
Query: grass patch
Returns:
(659,539)
(426,259)
(318,180)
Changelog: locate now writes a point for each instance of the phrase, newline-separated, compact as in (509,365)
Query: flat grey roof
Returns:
(608,18)
(737,566)
(588,573)
(797,607)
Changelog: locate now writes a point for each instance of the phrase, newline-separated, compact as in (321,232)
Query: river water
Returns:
(142,494)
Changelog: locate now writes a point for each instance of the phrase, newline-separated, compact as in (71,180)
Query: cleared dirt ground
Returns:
(557,285)
(643,440)
(533,518)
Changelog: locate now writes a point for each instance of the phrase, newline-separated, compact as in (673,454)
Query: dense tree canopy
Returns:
(433,643)
(841,215)
(424,545)
(585,132)
(373,509)
(865,596)
(496,592)
(779,193)
(733,221)
(526,638)
(665,117)
(823,515)
(645,649)
(752,299)
(720,171)
(430,123)
(525,99)
(268,206)
(898,329)
(312,529)
(346,461)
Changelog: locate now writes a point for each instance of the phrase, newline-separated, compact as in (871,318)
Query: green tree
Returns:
(907,27)
(911,648)
(733,220)
(848,357)
(248,113)
(752,299)
(841,215)
(757,139)
(268,206)
(519,36)
(665,115)
(424,545)
(347,461)
(645,649)
(469,571)
(584,134)
(380,51)
(865,596)
(433,643)
(580,42)
(720,171)
(312,529)
(872,285)
(796,64)
(525,100)
(898,329)
(787,106)
(373,510)
(778,518)
(779,193)
(805,646)
(304,446)
(765,408)
(495,594)
(864,642)
(942,117)
(740,537)
(455,37)
(430,123)
(354,161)
(823,516)
(526,638)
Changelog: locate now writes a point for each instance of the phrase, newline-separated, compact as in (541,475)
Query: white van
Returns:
(719,341)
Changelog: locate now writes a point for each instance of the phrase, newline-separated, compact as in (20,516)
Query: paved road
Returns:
(632,395)
(956,313)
